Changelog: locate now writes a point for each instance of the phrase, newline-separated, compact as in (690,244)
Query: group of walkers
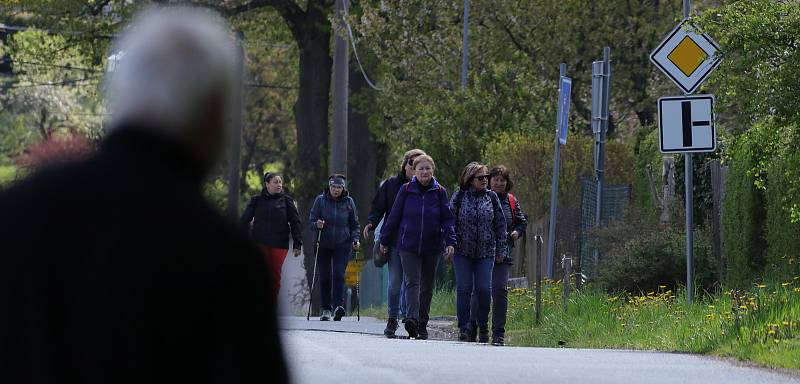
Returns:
(475,229)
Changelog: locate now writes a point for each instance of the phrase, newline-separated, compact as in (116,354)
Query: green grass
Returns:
(443,303)
(762,325)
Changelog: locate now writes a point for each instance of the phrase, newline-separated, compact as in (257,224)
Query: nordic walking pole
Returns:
(314,275)
(358,298)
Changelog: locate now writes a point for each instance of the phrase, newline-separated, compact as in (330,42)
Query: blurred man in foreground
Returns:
(115,269)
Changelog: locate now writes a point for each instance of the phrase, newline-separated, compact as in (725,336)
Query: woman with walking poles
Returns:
(481,233)
(421,225)
(381,208)
(271,217)
(334,214)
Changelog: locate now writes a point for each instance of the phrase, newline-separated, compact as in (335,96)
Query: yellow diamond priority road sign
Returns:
(687,56)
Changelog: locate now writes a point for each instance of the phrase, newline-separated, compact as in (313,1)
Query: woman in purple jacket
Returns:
(421,224)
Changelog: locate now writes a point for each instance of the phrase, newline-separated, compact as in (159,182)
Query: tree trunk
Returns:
(311,117)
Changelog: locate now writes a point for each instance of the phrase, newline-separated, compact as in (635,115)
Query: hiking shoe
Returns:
(326,315)
(483,336)
(391,327)
(498,340)
(473,331)
(338,313)
(422,331)
(411,328)
(464,335)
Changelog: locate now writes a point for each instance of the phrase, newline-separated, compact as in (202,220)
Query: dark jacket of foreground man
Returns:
(116,270)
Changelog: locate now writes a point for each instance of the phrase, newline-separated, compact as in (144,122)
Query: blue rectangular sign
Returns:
(563,108)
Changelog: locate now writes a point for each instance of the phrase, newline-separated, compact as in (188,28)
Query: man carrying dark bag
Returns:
(115,269)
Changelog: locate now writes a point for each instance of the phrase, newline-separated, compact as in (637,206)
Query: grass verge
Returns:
(761,324)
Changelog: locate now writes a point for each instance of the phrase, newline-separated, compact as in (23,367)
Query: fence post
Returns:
(538,281)
(566,265)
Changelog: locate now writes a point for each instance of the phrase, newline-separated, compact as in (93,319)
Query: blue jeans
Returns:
(499,299)
(396,289)
(332,263)
(473,273)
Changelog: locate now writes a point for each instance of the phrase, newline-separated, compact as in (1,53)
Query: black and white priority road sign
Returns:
(686,124)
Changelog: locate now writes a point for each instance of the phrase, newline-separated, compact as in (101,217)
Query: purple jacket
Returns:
(420,222)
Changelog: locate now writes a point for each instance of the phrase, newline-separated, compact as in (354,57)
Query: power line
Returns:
(273,86)
(69,67)
(355,51)
(52,84)
(21,28)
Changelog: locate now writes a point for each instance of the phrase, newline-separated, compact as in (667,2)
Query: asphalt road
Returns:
(356,352)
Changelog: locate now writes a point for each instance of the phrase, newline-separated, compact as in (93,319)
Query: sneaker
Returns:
(483,336)
(338,313)
(326,315)
(391,327)
(498,340)
(473,331)
(422,331)
(411,328)
(463,335)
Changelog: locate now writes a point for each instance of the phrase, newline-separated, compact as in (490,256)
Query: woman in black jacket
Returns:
(271,217)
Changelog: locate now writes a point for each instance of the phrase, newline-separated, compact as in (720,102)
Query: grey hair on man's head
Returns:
(173,60)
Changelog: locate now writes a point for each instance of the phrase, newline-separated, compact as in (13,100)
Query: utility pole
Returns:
(338,163)
(236,134)
(464,46)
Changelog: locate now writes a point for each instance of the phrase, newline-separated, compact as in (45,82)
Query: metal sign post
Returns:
(562,120)
(689,176)
(686,124)
(601,91)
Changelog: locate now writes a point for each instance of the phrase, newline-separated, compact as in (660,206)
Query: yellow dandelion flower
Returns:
(771,332)
(786,323)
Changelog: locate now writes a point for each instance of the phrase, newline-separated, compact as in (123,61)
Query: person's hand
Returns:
(384,249)
(514,235)
(296,252)
(448,253)
(498,259)
(366,230)
(356,246)
(320,224)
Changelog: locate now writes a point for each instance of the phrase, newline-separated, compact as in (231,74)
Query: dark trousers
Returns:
(419,270)
(332,263)
(473,274)
(397,300)
(499,299)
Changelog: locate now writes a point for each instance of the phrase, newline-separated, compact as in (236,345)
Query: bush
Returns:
(639,256)
(530,161)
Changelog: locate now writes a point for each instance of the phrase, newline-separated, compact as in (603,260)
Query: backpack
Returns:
(512,201)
